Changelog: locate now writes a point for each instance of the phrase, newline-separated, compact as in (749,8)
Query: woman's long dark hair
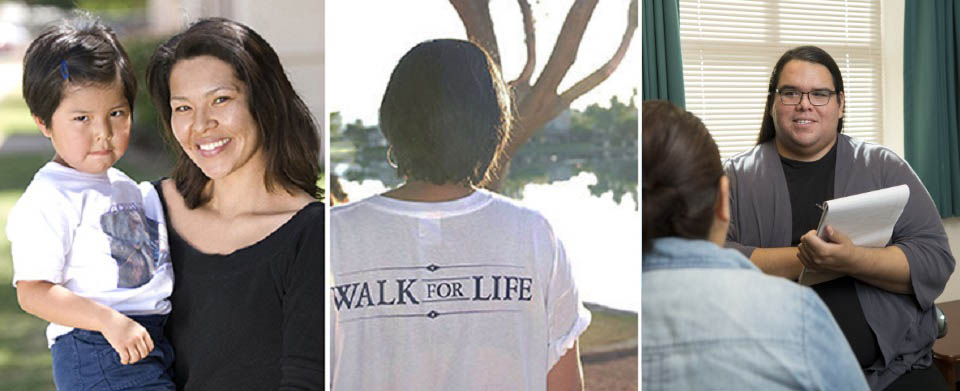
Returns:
(681,172)
(288,133)
(812,54)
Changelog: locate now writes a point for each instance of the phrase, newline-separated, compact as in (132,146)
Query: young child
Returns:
(89,244)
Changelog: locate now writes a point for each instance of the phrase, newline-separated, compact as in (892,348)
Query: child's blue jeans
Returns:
(84,360)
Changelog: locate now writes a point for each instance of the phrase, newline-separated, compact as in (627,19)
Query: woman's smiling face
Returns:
(211,118)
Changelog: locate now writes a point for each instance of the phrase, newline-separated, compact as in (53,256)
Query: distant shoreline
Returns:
(603,308)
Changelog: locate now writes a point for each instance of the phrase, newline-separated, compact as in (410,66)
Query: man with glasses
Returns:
(884,302)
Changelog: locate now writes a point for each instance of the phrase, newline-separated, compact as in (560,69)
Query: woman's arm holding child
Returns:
(59,305)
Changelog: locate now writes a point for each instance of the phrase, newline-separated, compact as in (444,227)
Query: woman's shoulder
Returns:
(306,224)
(167,191)
(310,215)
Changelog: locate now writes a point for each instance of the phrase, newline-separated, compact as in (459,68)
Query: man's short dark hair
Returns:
(288,134)
(446,113)
(77,51)
(812,54)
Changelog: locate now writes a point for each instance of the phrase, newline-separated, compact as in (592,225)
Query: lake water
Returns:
(601,237)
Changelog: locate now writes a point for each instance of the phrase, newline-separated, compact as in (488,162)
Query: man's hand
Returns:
(838,254)
(131,340)
(883,267)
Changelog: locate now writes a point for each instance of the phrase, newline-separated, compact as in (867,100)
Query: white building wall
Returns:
(294,28)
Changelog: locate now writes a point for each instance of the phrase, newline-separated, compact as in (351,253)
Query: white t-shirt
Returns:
(470,294)
(101,236)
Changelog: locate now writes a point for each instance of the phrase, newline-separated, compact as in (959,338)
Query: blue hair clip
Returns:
(63,70)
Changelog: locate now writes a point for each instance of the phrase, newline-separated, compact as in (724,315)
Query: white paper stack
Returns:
(866,218)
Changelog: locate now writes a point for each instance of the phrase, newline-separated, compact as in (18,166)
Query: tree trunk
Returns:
(538,103)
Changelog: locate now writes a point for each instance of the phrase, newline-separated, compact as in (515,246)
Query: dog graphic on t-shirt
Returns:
(134,244)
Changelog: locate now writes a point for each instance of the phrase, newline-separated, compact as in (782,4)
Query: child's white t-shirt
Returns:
(470,294)
(102,236)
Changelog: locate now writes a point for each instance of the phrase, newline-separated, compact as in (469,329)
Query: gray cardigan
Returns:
(904,324)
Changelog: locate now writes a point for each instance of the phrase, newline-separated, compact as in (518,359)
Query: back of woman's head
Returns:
(681,173)
(446,113)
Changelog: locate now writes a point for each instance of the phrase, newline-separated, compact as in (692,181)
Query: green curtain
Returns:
(662,61)
(931,50)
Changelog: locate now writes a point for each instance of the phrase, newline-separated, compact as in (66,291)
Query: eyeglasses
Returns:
(792,97)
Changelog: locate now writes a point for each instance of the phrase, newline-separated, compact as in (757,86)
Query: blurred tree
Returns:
(91,5)
(65,4)
(370,154)
(617,124)
(109,5)
(613,160)
(336,125)
(147,132)
(538,102)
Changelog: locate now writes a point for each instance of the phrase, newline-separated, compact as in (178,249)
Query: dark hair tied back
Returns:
(681,171)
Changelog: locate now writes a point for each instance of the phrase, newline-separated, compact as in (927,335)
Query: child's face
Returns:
(90,129)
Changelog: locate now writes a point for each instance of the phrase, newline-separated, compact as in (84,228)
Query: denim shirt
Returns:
(712,321)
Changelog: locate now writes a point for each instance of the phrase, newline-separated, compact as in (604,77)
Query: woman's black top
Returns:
(252,319)
(810,184)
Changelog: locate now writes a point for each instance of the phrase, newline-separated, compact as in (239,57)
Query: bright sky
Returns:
(366,38)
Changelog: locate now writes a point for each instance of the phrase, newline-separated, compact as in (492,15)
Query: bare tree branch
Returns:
(529,33)
(475,15)
(601,74)
(565,50)
(539,102)
(533,114)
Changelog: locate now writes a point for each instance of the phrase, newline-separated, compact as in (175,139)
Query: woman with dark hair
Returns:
(711,319)
(245,227)
(438,284)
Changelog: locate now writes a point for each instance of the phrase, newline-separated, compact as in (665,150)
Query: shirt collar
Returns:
(681,253)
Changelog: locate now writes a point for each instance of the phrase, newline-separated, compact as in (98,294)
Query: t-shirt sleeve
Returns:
(301,362)
(40,228)
(566,316)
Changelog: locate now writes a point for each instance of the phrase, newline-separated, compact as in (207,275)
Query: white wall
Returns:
(952,291)
(891,36)
(294,28)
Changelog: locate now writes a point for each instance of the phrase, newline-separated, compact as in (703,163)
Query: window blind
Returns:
(730,47)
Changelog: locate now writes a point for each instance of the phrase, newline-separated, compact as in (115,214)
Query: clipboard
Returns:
(866,218)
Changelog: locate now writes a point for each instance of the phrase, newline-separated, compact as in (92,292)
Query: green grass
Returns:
(24,357)
(15,116)
(607,327)
(18,169)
